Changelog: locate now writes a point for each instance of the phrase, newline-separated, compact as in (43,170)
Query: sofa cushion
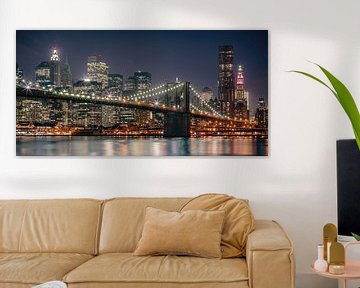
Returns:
(15,285)
(36,268)
(123,220)
(63,226)
(238,223)
(126,268)
(194,232)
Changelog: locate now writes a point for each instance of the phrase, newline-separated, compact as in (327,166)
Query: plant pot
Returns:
(348,187)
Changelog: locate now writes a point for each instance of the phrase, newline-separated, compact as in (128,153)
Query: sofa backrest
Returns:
(67,226)
(123,220)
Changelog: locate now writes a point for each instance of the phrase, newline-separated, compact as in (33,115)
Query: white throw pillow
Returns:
(51,284)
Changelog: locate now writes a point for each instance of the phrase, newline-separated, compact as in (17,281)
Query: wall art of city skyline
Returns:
(142,93)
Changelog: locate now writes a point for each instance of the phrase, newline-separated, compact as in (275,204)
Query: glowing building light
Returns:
(55,56)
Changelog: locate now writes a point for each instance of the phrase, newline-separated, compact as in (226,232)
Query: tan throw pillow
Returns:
(239,220)
(196,233)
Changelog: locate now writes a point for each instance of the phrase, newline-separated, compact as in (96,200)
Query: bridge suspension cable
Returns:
(153,92)
(207,105)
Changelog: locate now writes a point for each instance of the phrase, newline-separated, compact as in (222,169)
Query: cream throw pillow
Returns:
(193,232)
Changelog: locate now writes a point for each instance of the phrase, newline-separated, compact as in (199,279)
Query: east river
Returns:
(139,146)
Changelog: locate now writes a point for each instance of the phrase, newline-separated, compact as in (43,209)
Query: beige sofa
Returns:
(89,243)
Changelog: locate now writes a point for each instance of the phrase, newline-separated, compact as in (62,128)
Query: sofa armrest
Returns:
(269,256)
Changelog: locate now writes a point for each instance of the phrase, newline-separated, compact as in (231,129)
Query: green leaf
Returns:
(316,79)
(356,236)
(347,102)
(357,137)
(344,97)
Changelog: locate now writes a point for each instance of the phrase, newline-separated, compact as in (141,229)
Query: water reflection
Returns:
(138,146)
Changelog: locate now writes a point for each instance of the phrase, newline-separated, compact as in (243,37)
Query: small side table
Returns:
(352,269)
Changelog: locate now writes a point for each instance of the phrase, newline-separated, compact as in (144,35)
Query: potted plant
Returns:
(345,99)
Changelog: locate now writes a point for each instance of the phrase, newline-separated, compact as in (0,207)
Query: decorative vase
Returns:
(320,264)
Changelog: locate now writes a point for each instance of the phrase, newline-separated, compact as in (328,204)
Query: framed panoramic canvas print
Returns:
(142,93)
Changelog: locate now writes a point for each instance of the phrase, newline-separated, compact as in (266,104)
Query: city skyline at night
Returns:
(186,55)
(140,86)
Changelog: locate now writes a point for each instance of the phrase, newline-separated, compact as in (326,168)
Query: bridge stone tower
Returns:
(177,124)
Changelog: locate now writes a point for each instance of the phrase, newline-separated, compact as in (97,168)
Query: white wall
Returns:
(295,185)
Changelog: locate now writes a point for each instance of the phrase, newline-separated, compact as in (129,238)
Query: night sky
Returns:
(166,54)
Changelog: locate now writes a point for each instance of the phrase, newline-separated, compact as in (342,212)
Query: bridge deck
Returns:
(21,92)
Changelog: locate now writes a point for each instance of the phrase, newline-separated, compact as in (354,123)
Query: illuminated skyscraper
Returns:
(207,94)
(116,84)
(130,86)
(247,97)
(86,114)
(43,74)
(19,74)
(111,114)
(239,94)
(66,76)
(143,81)
(97,70)
(241,101)
(55,56)
(226,79)
(261,115)
(55,73)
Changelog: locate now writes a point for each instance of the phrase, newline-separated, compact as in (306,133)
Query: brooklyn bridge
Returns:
(179,102)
